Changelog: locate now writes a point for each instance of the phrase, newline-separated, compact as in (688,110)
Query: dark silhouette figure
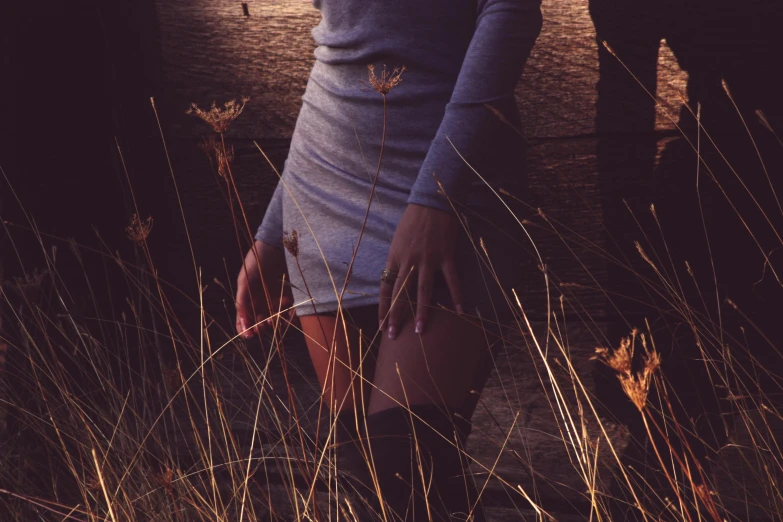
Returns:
(718,210)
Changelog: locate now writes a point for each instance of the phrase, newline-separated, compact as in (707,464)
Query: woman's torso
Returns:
(336,146)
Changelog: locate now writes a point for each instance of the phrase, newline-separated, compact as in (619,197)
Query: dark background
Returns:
(77,76)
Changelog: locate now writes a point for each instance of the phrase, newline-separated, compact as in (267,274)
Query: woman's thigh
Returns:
(441,366)
(343,349)
(453,358)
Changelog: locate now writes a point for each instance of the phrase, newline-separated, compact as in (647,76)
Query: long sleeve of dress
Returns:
(504,36)
(271,229)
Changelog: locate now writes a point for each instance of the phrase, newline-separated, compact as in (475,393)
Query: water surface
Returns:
(213,52)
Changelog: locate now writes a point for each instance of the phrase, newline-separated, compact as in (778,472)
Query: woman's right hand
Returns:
(260,292)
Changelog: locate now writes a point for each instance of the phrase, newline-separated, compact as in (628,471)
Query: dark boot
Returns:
(422,446)
(352,455)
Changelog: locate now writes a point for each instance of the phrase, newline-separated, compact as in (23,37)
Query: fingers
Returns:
(384,303)
(399,300)
(247,325)
(394,299)
(451,276)
(241,303)
(241,325)
(423,298)
(262,295)
(243,322)
(386,292)
(263,323)
(248,320)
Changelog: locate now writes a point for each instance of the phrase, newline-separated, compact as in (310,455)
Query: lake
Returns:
(213,52)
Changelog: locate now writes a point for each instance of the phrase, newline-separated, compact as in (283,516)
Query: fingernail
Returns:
(460,311)
(392,332)
(419,327)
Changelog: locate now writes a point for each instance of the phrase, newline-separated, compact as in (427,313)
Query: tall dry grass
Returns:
(105,427)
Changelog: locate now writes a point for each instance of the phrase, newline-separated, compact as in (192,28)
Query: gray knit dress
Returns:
(462,59)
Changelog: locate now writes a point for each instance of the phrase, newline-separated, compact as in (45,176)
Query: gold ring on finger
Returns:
(388,276)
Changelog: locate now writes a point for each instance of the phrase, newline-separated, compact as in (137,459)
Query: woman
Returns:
(403,145)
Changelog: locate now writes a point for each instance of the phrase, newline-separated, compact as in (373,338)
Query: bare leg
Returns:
(343,358)
(417,442)
(438,367)
(343,354)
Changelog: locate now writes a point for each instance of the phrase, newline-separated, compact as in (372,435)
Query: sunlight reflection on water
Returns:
(213,52)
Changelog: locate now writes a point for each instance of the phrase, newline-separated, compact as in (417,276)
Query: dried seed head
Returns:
(705,493)
(384,83)
(92,483)
(291,242)
(166,480)
(224,156)
(635,384)
(221,154)
(29,285)
(644,255)
(139,230)
(219,118)
(763,120)
(208,145)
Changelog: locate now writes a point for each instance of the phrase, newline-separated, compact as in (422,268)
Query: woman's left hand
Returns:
(425,242)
